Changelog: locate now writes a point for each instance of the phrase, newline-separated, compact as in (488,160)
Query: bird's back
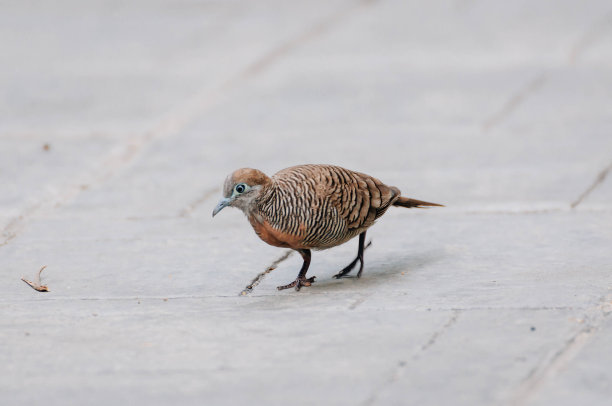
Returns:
(320,206)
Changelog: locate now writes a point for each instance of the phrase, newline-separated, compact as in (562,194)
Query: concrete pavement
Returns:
(499,110)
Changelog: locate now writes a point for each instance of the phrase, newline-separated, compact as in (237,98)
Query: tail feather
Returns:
(408,202)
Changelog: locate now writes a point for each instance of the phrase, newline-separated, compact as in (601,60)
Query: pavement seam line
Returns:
(318,29)
(15,225)
(592,34)
(174,121)
(596,30)
(359,301)
(191,207)
(434,337)
(257,280)
(515,101)
(335,295)
(598,181)
(550,367)
(395,374)
(541,374)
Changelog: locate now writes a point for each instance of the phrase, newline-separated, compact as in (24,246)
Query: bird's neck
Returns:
(255,210)
(251,204)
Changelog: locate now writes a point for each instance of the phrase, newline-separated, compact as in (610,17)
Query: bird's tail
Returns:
(408,202)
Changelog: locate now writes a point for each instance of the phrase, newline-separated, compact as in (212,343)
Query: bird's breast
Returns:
(274,236)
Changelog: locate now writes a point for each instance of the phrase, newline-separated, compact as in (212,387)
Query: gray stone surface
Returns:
(500,110)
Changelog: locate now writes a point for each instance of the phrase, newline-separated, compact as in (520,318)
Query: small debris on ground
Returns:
(36,285)
(249,288)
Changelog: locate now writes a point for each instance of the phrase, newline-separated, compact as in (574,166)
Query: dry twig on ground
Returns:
(36,285)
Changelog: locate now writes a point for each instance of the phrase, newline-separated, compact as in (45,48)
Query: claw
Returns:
(298,283)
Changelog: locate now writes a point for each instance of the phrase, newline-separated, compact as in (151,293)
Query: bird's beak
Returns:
(222,203)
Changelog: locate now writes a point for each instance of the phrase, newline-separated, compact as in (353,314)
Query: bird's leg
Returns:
(301,279)
(359,258)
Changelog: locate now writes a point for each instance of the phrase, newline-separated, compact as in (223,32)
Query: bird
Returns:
(311,207)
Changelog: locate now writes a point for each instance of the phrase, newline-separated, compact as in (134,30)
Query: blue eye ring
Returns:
(240,188)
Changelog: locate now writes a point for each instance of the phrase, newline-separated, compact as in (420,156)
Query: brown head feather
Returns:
(251,177)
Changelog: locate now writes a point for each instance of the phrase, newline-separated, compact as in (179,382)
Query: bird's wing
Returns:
(359,198)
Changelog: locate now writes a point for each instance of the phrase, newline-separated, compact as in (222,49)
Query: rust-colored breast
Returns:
(276,237)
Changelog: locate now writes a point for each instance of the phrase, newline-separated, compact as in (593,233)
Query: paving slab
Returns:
(121,121)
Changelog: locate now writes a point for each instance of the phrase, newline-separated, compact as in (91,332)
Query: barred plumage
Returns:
(311,207)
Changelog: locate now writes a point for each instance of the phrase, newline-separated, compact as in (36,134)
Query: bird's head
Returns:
(241,188)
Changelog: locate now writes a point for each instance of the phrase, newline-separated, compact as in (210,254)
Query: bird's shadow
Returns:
(379,271)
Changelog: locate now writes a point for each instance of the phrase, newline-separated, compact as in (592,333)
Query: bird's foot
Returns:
(344,272)
(298,283)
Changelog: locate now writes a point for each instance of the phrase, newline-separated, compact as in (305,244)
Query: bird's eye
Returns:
(240,188)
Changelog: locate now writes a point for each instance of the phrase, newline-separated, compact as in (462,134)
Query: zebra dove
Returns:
(311,207)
